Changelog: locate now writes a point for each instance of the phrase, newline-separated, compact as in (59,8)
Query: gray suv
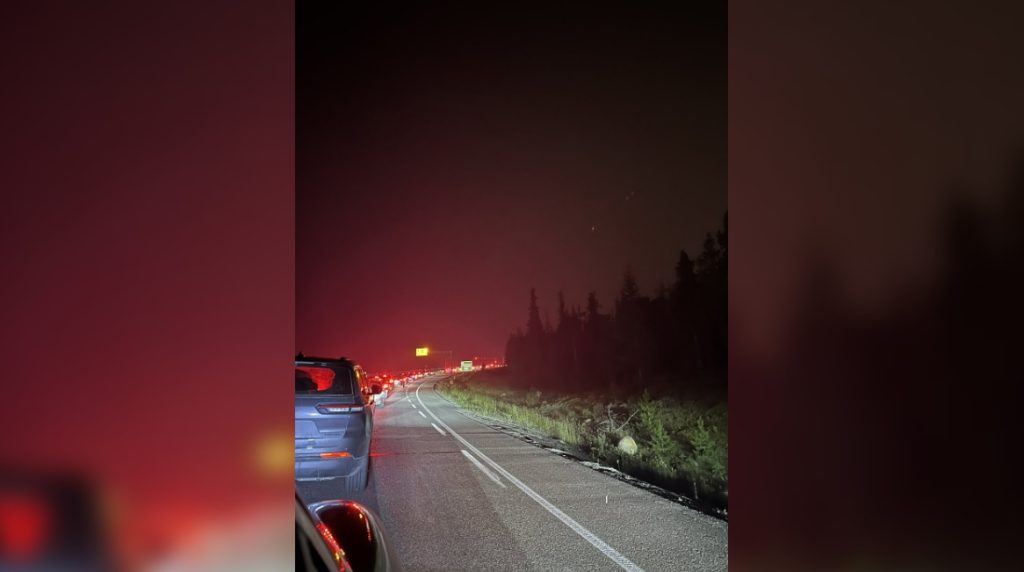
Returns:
(333,421)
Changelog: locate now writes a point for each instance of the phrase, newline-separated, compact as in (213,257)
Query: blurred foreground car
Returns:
(340,535)
(52,521)
(333,421)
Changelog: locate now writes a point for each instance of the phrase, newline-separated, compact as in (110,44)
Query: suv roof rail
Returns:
(343,360)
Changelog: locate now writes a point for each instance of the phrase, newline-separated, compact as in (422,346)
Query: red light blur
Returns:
(25,527)
(332,542)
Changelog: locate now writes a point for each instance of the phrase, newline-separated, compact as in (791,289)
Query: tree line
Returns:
(675,339)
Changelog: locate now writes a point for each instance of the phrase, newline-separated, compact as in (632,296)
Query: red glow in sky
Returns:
(448,162)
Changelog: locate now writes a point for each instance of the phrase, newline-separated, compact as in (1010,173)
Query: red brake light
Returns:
(334,408)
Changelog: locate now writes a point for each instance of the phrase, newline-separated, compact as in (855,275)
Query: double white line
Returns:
(576,527)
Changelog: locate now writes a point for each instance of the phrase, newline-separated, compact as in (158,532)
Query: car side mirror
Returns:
(354,531)
(375,389)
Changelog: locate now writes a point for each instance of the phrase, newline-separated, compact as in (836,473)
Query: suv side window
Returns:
(364,383)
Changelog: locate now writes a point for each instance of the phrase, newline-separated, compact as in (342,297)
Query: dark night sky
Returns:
(449,161)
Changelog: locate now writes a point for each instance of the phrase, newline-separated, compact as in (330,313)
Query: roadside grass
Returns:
(681,445)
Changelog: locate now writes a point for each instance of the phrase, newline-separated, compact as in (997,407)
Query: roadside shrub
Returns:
(707,462)
(662,450)
(683,445)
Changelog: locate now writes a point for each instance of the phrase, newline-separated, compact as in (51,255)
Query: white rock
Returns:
(627,445)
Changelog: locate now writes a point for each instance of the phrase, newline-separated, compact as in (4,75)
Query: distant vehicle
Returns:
(334,404)
(386,385)
(342,536)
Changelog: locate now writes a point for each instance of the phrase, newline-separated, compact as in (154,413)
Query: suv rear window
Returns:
(314,380)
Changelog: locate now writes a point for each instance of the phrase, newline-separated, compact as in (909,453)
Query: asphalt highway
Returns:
(455,494)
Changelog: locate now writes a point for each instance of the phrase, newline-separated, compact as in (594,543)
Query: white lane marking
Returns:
(438,428)
(421,413)
(576,527)
(481,466)
(413,405)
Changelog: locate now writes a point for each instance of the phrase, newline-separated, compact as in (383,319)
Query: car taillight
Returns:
(334,408)
(335,455)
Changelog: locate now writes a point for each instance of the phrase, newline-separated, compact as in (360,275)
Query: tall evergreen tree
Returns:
(593,307)
(630,290)
(708,260)
(534,327)
(562,313)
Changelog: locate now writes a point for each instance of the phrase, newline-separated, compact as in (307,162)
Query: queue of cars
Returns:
(391,382)
(335,400)
(334,404)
